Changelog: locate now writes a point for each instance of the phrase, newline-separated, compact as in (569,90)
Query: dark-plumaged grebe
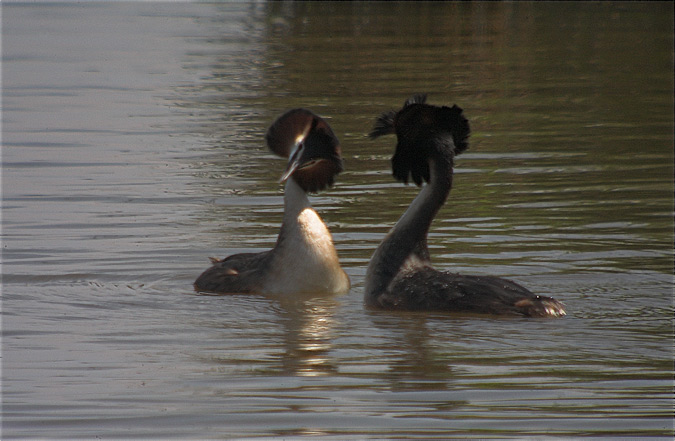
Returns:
(304,259)
(400,275)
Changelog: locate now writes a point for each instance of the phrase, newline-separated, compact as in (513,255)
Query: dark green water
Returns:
(133,148)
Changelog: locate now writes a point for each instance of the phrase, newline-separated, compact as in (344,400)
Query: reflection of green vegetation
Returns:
(570,105)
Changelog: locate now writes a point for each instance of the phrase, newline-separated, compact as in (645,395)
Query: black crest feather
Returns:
(418,98)
(384,125)
(421,129)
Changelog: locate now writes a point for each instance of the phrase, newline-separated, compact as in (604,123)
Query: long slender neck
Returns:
(302,229)
(304,258)
(406,243)
(295,200)
(295,203)
(413,226)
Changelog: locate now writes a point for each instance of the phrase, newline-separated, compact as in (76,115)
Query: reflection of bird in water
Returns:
(308,323)
(400,274)
(304,258)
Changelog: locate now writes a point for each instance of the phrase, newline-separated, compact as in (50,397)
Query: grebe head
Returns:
(422,130)
(312,149)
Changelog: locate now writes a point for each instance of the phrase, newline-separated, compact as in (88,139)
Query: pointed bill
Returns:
(294,161)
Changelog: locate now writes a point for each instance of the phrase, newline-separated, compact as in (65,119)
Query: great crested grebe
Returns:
(304,259)
(400,275)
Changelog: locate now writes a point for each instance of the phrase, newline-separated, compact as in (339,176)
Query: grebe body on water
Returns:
(304,259)
(400,275)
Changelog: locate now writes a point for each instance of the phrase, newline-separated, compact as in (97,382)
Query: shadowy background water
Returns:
(133,149)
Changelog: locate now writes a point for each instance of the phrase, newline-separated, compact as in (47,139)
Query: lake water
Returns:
(133,149)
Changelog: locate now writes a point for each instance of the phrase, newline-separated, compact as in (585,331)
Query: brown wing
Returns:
(239,273)
(428,289)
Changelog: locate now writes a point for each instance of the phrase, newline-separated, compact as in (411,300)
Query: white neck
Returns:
(295,201)
(305,259)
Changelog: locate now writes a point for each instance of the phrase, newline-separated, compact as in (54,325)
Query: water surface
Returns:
(133,149)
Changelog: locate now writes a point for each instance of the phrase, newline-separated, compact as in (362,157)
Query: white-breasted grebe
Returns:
(304,259)
(400,275)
